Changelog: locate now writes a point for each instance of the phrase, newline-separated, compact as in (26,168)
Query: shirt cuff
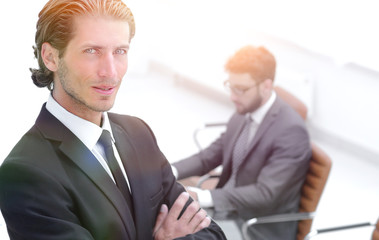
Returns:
(205,199)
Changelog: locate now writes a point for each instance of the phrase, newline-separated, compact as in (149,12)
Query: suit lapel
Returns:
(266,123)
(87,162)
(77,152)
(129,158)
(268,120)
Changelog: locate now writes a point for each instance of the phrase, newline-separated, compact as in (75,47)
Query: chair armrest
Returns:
(338,228)
(287,217)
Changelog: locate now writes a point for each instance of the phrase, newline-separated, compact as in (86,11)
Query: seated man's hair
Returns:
(257,61)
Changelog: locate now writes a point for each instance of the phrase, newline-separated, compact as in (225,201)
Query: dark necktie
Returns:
(239,152)
(105,141)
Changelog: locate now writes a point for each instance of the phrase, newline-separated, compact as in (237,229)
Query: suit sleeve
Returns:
(35,206)
(174,189)
(282,174)
(209,158)
(202,162)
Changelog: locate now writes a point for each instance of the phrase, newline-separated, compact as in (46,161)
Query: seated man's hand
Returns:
(168,226)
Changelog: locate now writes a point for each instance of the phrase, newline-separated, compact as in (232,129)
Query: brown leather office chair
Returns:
(293,101)
(313,186)
(311,192)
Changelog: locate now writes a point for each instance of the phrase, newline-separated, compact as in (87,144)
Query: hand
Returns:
(168,226)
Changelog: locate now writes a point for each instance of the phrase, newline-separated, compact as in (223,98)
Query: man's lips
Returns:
(237,104)
(105,90)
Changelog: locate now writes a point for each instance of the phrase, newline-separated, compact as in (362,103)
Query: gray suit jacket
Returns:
(53,187)
(271,175)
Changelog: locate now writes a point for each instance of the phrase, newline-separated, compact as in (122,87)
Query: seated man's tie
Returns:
(239,152)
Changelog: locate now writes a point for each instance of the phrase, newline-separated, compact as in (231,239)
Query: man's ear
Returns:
(266,87)
(267,84)
(50,56)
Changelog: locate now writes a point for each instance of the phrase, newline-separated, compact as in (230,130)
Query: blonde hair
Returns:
(257,61)
(55,26)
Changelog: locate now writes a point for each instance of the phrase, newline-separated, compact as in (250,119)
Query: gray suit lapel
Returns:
(268,120)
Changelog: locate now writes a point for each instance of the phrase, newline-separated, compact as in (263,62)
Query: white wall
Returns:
(343,96)
(331,44)
(196,37)
(20,99)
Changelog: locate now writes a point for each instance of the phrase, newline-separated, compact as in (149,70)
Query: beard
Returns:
(252,106)
(255,104)
(80,102)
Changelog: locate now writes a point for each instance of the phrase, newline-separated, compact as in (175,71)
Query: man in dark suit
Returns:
(81,172)
(264,152)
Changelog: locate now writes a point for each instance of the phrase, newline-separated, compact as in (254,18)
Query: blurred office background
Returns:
(327,54)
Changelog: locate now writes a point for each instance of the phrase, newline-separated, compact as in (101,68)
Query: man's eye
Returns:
(121,51)
(241,89)
(90,50)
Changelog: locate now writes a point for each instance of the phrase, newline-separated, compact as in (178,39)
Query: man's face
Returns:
(244,92)
(91,70)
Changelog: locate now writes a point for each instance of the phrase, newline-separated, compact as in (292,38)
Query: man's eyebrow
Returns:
(239,85)
(95,45)
(124,46)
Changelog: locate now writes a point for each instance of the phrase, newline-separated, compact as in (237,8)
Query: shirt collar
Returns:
(258,115)
(88,132)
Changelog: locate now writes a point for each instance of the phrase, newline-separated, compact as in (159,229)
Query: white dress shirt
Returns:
(87,132)
(204,196)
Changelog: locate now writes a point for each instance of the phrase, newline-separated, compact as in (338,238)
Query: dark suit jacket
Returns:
(271,175)
(52,186)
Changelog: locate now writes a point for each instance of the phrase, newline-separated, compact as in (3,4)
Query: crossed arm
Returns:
(52,208)
(170,225)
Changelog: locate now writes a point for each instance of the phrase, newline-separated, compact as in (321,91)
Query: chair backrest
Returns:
(318,172)
(293,101)
(317,176)
(375,234)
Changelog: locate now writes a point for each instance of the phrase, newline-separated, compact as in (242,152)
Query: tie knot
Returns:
(248,122)
(105,139)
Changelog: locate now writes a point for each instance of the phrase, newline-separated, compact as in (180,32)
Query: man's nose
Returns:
(233,97)
(107,68)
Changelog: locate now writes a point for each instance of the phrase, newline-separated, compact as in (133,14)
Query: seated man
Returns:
(265,150)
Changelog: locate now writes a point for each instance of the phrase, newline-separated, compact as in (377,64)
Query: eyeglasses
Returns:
(239,91)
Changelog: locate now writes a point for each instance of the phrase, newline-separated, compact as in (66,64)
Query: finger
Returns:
(160,218)
(177,207)
(190,212)
(197,219)
(203,224)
